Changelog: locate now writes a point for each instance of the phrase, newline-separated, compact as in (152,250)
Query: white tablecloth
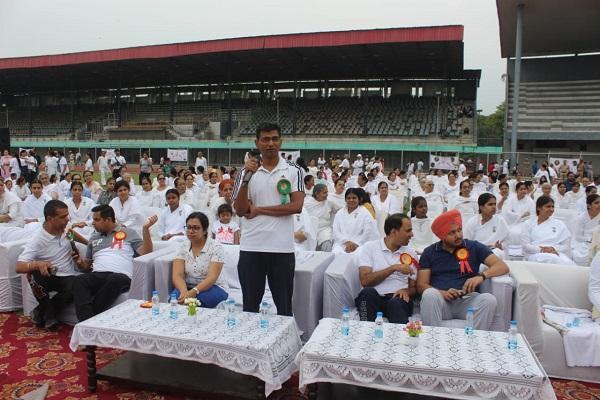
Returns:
(246,349)
(445,363)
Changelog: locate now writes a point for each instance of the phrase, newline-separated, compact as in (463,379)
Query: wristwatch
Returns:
(481,274)
(195,290)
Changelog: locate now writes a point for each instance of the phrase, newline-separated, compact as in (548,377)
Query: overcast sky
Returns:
(37,27)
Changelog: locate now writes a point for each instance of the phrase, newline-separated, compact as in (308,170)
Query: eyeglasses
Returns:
(194,228)
(161,179)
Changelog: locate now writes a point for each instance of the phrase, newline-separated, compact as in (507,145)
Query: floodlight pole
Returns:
(517,81)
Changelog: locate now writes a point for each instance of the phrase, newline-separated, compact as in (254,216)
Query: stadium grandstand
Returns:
(553,85)
(387,91)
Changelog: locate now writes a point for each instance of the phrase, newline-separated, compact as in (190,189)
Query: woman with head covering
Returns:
(584,229)
(148,197)
(323,211)
(353,225)
(10,208)
(464,201)
(385,202)
(435,201)
(223,197)
(488,227)
(518,207)
(546,239)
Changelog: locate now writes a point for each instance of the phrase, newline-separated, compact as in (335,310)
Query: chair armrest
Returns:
(526,307)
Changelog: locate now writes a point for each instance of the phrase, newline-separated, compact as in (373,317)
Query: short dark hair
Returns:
(592,198)
(172,191)
(267,127)
(105,211)
(414,203)
(122,183)
(224,208)
(200,216)
(589,188)
(483,199)
(541,202)
(33,182)
(51,208)
(394,221)
(307,178)
(76,184)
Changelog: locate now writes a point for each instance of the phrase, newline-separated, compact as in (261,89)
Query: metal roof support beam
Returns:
(517,81)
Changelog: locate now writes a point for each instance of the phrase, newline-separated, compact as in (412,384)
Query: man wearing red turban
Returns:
(449,276)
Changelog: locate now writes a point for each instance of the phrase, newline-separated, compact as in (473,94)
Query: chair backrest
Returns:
(342,284)
(568,217)
(381,217)
(230,272)
(559,285)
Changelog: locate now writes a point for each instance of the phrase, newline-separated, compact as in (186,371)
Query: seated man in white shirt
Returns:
(48,262)
(110,252)
(388,273)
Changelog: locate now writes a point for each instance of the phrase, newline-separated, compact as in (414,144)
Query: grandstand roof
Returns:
(550,26)
(423,52)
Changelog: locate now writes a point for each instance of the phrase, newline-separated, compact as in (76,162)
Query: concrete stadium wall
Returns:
(571,68)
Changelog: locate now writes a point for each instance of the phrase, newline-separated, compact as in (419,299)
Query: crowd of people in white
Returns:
(345,208)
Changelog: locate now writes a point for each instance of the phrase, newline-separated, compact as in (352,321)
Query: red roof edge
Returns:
(295,40)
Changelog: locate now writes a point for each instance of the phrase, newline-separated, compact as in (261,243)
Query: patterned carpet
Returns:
(30,357)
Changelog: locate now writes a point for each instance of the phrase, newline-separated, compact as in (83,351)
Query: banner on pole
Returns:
(443,162)
(177,154)
(571,163)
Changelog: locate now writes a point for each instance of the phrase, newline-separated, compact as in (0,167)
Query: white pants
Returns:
(550,258)
(103,176)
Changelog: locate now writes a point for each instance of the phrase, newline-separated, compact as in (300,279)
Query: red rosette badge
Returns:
(118,239)
(462,255)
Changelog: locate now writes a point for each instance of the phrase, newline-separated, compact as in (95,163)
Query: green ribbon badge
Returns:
(284,187)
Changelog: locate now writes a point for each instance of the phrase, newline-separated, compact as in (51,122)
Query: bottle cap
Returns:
(470,309)
(155,292)
(379,314)
(345,310)
(513,322)
(265,304)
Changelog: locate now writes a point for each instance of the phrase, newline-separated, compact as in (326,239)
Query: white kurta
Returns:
(33,207)
(55,190)
(572,197)
(448,191)
(494,230)
(128,214)
(324,213)
(81,214)
(171,222)
(466,205)
(560,201)
(551,232)
(303,223)
(338,199)
(358,227)
(422,234)
(435,204)
(21,191)
(150,198)
(390,205)
(11,205)
(513,209)
(582,238)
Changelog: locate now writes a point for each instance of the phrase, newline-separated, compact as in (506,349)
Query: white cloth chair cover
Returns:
(10,287)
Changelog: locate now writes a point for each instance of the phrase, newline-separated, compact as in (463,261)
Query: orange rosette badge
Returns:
(407,259)
(118,239)
(462,255)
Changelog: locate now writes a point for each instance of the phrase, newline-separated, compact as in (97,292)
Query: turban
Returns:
(442,225)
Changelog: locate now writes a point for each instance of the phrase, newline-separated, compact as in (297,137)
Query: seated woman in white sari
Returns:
(322,210)
(559,196)
(544,190)
(464,202)
(581,205)
(185,196)
(224,197)
(393,181)
(488,227)
(421,224)
(503,194)
(10,208)
(435,200)
(305,235)
(337,197)
(162,186)
(546,239)
(90,184)
(191,187)
(128,212)
(171,222)
(33,206)
(518,207)
(21,189)
(450,188)
(584,230)
(148,197)
(353,225)
(80,210)
(574,194)
(384,201)
(539,187)
(53,190)
(211,188)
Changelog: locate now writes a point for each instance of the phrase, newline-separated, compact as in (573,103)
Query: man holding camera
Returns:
(268,192)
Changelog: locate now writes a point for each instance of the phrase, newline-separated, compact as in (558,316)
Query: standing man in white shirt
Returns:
(268,192)
(201,161)
(388,273)
(116,163)
(63,165)
(103,167)
(420,166)
(357,165)
(346,162)
(48,262)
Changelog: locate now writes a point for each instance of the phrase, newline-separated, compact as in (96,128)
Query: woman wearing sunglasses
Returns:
(198,264)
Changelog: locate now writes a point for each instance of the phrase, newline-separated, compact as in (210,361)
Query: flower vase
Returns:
(411,341)
(192,315)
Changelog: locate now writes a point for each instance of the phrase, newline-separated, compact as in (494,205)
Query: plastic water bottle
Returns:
(264,315)
(469,323)
(576,322)
(345,321)
(230,306)
(155,303)
(512,336)
(379,326)
(173,307)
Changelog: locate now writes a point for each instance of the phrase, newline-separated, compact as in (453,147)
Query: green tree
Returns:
(491,127)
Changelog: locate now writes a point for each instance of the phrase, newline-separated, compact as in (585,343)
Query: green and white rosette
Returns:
(284,187)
